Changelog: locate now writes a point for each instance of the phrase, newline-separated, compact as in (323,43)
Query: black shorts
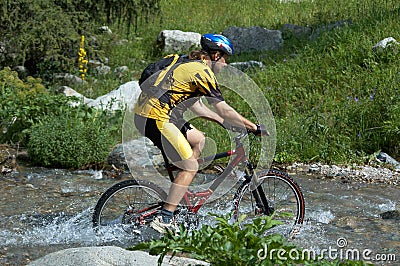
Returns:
(169,137)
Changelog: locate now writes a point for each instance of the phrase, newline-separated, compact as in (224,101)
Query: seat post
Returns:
(168,166)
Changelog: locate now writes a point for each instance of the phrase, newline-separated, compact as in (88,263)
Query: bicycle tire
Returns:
(129,205)
(283,194)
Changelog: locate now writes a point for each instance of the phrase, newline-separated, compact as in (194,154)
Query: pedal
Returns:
(294,232)
(219,168)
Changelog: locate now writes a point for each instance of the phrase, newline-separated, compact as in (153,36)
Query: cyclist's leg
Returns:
(179,150)
(173,142)
(196,140)
(166,136)
(181,183)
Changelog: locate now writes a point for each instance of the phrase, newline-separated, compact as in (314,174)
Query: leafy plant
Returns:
(223,244)
(24,103)
(229,243)
(75,139)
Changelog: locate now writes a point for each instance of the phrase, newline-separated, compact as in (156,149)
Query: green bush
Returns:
(33,37)
(55,133)
(24,103)
(74,139)
(224,244)
(31,34)
(229,243)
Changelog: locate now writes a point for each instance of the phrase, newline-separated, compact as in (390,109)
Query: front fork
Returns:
(262,205)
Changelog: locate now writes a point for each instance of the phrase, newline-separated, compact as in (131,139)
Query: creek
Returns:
(46,210)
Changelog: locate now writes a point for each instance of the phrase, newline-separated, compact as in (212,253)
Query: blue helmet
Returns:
(216,42)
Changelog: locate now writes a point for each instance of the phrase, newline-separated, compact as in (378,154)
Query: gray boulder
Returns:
(254,39)
(176,41)
(70,79)
(330,27)
(386,158)
(2,48)
(386,43)
(22,71)
(107,256)
(68,91)
(117,99)
(140,153)
(103,70)
(120,71)
(105,29)
(296,31)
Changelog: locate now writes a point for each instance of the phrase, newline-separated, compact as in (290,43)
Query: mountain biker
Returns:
(161,118)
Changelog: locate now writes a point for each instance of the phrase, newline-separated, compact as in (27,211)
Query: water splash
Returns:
(387,206)
(321,216)
(43,230)
(61,229)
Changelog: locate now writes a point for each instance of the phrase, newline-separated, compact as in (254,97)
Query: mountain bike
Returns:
(132,204)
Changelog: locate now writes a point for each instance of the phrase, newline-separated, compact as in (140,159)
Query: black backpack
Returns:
(164,67)
(163,63)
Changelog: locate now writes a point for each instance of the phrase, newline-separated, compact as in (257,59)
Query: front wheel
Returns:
(129,206)
(278,194)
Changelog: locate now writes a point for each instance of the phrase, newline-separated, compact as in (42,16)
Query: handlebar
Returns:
(261,131)
(242,133)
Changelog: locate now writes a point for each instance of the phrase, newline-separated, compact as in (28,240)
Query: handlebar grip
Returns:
(261,130)
(238,129)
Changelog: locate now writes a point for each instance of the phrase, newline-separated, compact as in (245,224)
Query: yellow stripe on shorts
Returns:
(175,138)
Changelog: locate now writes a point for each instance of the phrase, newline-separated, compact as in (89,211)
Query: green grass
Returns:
(333,98)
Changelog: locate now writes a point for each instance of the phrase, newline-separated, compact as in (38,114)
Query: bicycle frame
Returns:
(192,201)
(202,196)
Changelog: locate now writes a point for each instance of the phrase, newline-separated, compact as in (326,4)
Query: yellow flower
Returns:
(81,58)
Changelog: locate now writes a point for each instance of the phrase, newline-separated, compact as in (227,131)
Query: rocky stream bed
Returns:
(48,210)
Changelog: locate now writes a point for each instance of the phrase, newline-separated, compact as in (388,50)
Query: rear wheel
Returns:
(129,206)
(276,193)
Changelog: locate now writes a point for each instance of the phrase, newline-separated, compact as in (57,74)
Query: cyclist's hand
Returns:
(232,128)
(261,130)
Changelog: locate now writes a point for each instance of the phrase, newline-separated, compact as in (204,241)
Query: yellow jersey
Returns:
(188,80)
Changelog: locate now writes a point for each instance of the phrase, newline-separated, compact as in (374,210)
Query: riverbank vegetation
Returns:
(228,243)
(334,98)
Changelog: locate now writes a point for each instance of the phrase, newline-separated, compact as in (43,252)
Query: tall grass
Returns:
(332,96)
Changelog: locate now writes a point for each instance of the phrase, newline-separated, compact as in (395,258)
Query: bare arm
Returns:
(200,109)
(229,114)
(224,112)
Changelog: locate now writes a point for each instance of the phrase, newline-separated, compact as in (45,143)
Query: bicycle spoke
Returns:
(129,206)
(283,197)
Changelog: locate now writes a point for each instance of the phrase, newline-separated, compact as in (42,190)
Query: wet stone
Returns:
(347,222)
(395,214)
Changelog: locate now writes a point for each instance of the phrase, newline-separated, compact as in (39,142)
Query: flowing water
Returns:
(46,210)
